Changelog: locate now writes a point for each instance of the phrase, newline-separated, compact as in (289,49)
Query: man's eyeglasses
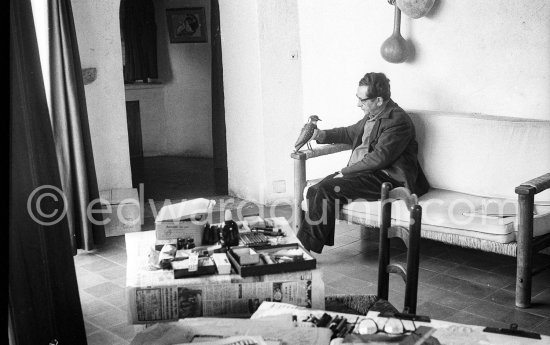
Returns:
(391,327)
(364,100)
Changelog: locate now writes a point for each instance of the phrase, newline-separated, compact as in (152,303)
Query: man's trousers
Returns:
(327,197)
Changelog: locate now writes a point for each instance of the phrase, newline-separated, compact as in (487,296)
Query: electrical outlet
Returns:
(279,186)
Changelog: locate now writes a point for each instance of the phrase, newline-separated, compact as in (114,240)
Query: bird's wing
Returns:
(303,138)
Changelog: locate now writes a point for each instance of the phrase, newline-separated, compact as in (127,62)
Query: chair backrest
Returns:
(411,238)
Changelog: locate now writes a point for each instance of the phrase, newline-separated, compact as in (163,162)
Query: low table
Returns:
(154,295)
(273,321)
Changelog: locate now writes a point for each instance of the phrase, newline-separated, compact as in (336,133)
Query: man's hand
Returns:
(315,134)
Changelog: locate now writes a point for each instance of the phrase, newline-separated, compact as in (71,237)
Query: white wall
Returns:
(98,34)
(262,95)
(185,69)
(281,92)
(471,56)
(152,116)
(489,57)
(243,98)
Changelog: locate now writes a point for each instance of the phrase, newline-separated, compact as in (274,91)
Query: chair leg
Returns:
(384,243)
(413,259)
(524,251)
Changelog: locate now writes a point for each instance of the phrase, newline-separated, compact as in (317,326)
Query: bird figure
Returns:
(307,133)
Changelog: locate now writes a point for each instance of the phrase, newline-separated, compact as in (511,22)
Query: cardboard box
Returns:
(155,295)
(183,220)
(245,256)
(125,215)
(205,266)
(183,229)
(222,263)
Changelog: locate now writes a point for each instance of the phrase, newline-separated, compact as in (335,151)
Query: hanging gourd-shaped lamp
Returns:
(394,49)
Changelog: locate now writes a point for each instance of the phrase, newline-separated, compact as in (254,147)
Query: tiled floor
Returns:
(456,284)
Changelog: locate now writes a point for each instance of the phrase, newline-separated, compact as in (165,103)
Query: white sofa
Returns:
(477,166)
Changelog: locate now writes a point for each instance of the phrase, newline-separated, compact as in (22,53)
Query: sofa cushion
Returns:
(481,154)
(457,213)
(454,213)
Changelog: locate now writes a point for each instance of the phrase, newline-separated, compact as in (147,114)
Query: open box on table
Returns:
(307,262)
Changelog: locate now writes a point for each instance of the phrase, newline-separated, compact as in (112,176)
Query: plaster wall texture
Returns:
(470,57)
(281,93)
(152,116)
(242,77)
(262,96)
(185,69)
(98,34)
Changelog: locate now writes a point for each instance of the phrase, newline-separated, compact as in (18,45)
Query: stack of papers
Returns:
(216,331)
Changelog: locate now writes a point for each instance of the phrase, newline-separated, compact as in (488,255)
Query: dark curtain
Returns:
(43,300)
(70,127)
(218,105)
(139,34)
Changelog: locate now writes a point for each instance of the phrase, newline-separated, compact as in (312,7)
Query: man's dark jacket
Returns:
(392,147)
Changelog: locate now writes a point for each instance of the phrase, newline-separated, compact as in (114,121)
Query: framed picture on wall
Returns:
(186,25)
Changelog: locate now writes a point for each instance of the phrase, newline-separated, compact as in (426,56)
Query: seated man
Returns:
(384,149)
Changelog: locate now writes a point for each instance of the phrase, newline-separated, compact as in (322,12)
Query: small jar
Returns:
(182,243)
(190,243)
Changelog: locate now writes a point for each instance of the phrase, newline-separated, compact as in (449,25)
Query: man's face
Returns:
(370,106)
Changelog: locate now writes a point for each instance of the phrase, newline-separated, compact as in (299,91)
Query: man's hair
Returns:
(378,83)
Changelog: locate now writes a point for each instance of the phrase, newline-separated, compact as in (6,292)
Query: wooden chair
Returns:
(361,304)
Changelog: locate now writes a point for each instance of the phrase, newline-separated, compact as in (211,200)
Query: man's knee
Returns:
(320,187)
(324,190)
(336,188)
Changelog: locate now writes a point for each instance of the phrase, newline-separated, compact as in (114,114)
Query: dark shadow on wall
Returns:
(138,32)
